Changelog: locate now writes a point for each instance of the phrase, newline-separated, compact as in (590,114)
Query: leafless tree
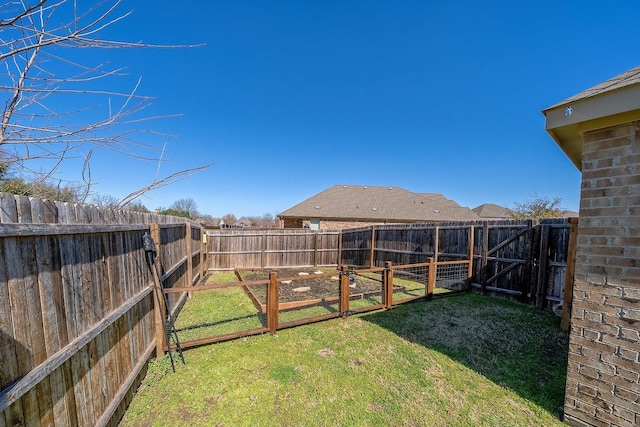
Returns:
(229,219)
(104,200)
(53,97)
(187,205)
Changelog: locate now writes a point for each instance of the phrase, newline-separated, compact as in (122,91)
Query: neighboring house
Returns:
(243,223)
(570,214)
(344,206)
(489,212)
(208,223)
(599,130)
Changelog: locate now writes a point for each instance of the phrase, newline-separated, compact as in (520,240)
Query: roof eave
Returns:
(566,122)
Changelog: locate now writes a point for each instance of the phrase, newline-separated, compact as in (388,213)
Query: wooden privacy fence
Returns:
(76,307)
(229,250)
(518,259)
(78,321)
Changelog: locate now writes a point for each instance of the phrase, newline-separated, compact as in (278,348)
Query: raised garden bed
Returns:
(304,287)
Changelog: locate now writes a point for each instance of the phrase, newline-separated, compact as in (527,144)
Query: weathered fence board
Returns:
(76,309)
(515,258)
(272,248)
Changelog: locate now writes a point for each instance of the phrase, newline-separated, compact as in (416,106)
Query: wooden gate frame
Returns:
(486,257)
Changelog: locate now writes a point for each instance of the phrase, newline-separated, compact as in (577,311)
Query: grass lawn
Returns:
(466,360)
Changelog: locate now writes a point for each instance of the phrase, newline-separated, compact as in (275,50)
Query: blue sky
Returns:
(288,98)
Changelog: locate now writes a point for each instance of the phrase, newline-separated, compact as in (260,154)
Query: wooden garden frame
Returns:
(273,306)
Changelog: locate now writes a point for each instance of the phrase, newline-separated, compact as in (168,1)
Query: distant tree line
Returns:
(264,221)
(56,190)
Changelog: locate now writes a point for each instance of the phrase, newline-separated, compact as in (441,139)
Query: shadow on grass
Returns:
(262,318)
(515,346)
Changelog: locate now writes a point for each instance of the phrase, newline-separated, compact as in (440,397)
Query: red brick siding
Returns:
(603,377)
(327,225)
(292,223)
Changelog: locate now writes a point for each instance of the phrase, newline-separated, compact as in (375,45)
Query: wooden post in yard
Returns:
(315,249)
(543,258)
(263,249)
(159,312)
(344,291)
(388,285)
(483,257)
(373,244)
(204,259)
(525,288)
(188,249)
(272,302)
(472,234)
(436,243)
(431,281)
(571,268)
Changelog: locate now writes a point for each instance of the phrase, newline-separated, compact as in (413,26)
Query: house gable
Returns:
(491,211)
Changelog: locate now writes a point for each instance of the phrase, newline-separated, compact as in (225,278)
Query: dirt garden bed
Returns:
(304,287)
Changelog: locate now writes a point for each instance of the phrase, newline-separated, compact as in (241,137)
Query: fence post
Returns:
(543,258)
(272,302)
(525,288)
(472,235)
(568,281)
(263,249)
(159,312)
(315,248)
(344,291)
(483,257)
(204,259)
(373,244)
(388,285)
(436,243)
(431,281)
(188,249)
(339,260)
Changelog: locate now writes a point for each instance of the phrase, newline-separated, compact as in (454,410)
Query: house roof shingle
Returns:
(489,210)
(375,203)
(620,81)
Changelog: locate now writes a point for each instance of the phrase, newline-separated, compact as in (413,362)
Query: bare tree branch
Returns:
(38,68)
(162,182)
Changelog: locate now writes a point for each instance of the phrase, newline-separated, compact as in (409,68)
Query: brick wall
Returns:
(292,223)
(603,377)
(342,225)
(327,225)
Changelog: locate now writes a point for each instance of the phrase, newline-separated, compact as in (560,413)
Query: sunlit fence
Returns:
(515,259)
(78,319)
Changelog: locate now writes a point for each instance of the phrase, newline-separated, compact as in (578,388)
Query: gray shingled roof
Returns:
(489,210)
(372,203)
(620,81)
